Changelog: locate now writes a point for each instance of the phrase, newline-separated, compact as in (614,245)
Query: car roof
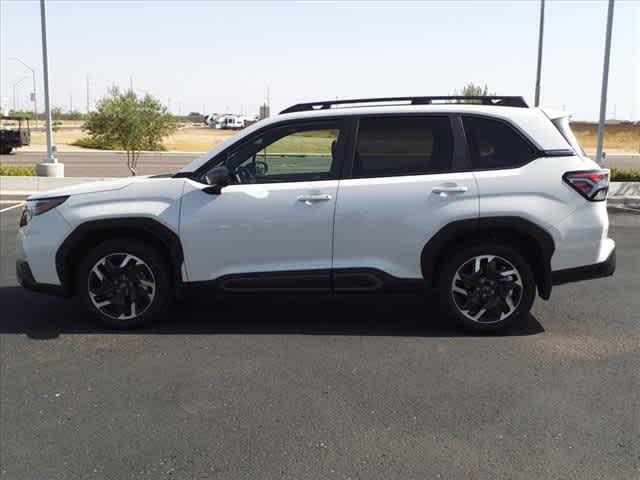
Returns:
(531,122)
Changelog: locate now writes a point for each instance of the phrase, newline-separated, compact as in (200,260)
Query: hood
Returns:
(90,187)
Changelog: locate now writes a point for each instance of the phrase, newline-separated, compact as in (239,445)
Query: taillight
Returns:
(591,184)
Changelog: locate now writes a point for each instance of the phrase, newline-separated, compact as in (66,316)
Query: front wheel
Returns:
(124,283)
(487,287)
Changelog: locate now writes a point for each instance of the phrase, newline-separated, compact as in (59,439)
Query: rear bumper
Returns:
(26,280)
(586,272)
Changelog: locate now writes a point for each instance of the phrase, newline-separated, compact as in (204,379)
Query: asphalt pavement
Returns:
(283,387)
(114,164)
(105,164)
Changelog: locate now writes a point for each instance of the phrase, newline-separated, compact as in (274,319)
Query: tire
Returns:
(5,150)
(135,287)
(494,278)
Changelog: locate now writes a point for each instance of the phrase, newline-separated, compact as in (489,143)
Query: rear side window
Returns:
(411,145)
(494,144)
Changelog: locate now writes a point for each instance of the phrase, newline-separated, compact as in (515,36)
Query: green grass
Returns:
(622,175)
(316,142)
(18,171)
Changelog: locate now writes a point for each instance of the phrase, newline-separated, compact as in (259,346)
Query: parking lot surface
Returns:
(371,387)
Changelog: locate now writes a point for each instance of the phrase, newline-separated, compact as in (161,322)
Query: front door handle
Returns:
(308,199)
(445,190)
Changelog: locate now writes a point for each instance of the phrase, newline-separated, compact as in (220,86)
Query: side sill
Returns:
(347,280)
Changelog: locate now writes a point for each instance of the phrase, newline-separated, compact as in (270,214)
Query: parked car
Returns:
(486,202)
(14,132)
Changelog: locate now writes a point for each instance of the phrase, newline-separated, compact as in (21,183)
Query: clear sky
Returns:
(222,55)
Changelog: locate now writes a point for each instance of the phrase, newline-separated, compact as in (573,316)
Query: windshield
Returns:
(562,124)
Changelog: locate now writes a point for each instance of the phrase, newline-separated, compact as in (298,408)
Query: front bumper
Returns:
(586,272)
(26,280)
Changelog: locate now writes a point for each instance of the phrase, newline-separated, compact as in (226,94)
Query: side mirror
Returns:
(217,178)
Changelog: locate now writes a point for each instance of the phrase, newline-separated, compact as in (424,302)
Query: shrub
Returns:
(18,171)
(622,175)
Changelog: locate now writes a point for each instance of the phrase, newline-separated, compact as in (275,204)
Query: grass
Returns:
(622,175)
(18,171)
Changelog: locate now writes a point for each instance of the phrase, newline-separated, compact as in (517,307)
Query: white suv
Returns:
(483,198)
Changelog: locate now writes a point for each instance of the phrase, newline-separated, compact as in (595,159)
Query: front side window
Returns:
(409,145)
(287,154)
(495,145)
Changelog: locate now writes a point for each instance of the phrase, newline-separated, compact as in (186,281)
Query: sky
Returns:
(210,56)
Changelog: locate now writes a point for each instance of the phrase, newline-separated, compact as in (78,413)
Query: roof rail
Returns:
(500,101)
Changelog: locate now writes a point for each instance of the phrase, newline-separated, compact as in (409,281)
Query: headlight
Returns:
(38,207)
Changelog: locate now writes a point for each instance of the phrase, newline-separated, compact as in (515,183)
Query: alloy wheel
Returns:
(121,286)
(487,289)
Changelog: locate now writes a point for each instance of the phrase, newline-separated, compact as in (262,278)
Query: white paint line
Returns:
(12,207)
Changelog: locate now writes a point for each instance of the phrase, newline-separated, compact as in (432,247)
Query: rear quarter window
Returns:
(495,145)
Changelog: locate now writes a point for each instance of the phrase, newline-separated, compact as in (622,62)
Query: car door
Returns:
(409,178)
(272,228)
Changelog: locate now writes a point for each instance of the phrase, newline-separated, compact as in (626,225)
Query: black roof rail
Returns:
(500,101)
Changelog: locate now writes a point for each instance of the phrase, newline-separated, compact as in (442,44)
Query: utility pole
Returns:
(540,39)
(605,84)
(88,98)
(49,167)
(34,94)
(130,83)
(70,102)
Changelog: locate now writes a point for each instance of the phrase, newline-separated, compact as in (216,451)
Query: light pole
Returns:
(14,92)
(49,167)
(605,84)
(540,37)
(35,98)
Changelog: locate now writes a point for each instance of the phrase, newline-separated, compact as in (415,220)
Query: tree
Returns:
(56,118)
(472,90)
(125,120)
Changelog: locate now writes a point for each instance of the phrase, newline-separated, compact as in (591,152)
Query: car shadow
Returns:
(44,317)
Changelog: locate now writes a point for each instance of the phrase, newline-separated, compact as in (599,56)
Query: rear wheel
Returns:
(5,150)
(487,287)
(124,283)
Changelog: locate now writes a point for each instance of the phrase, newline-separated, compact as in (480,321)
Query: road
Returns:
(369,387)
(105,164)
(113,164)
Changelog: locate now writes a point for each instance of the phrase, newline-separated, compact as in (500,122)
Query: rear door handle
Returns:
(314,197)
(444,190)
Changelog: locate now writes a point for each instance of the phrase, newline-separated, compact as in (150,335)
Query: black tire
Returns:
(510,295)
(5,150)
(144,265)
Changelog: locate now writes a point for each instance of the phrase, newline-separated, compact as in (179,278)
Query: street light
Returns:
(540,38)
(14,92)
(605,84)
(35,99)
(49,167)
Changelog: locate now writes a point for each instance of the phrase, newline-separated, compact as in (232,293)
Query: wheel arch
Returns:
(535,244)
(89,234)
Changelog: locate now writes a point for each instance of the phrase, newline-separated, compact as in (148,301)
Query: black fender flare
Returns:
(456,231)
(127,226)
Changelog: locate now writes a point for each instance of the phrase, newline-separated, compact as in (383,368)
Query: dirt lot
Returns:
(618,138)
(187,139)
(623,138)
